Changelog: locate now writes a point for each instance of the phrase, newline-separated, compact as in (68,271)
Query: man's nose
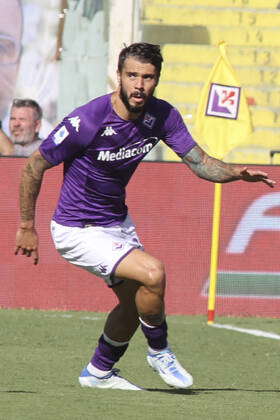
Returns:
(139,83)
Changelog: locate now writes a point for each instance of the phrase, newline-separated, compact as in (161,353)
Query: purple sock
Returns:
(156,336)
(106,355)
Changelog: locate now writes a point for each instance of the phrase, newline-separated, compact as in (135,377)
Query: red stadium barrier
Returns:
(172,210)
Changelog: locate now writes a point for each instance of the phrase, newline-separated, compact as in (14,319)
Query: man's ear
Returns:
(38,124)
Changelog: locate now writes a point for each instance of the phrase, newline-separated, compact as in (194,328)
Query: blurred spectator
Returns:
(82,48)
(24,124)
(10,50)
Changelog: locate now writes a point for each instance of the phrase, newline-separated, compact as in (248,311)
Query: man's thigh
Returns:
(96,249)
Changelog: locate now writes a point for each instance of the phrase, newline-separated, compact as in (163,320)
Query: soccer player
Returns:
(101,143)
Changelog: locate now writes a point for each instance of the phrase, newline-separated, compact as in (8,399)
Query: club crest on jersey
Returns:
(223,101)
(149,120)
(60,135)
(75,121)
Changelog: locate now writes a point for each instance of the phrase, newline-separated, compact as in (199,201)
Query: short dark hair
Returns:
(29,103)
(147,53)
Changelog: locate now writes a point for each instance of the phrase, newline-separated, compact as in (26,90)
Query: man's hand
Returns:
(256,176)
(31,180)
(27,243)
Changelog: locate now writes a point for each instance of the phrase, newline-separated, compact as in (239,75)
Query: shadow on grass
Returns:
(19,391)
(172,391)
(199,391)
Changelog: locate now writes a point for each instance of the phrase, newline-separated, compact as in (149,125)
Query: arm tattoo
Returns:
(209,168)
(30,185)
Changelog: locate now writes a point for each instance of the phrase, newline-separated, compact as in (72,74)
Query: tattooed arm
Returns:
(31,180)
(215,170)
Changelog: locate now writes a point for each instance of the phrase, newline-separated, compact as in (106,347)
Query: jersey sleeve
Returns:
(68,139)
(74,134)
(176,135)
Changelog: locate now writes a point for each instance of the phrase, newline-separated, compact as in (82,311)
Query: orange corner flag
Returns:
(223,119)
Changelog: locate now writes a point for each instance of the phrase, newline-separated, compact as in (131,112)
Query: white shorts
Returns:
(97,249)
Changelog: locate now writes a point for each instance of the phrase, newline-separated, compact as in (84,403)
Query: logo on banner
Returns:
(223,101)
(247,265)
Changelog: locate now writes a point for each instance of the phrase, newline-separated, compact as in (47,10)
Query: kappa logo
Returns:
(60,135)
(223,101)
(109,131)
(102,268)
(75,121)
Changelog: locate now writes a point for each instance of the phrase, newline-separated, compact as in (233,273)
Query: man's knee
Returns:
(155,277)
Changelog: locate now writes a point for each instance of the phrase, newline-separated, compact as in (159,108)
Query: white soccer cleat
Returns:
(110,381)
(167,366)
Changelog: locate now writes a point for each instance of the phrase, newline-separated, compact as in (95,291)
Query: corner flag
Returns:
(222,123)
(223,119)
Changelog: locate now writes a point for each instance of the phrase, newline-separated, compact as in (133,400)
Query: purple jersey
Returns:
(101,151)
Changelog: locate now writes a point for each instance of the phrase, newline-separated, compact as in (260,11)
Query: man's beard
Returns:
(130,108)
(23,138)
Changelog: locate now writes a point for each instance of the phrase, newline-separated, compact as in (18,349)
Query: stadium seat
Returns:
(189,35)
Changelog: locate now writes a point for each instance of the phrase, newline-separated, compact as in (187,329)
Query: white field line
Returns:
(89,318)
(258,333)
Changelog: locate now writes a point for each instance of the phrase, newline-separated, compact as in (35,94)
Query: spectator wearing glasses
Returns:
(24,124)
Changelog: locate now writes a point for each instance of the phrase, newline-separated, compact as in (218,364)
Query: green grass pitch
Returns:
(236,376)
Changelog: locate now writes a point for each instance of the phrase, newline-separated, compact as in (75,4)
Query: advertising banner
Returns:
(172,210)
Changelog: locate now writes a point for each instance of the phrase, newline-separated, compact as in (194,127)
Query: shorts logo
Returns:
(60,135)
(75,121)
(223,101)
(102,268)
(149,120)
(117,245)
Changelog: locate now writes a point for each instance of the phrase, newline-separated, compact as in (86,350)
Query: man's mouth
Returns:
(138,95)
(139,98)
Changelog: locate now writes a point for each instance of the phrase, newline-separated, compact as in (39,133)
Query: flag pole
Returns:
(214,252)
